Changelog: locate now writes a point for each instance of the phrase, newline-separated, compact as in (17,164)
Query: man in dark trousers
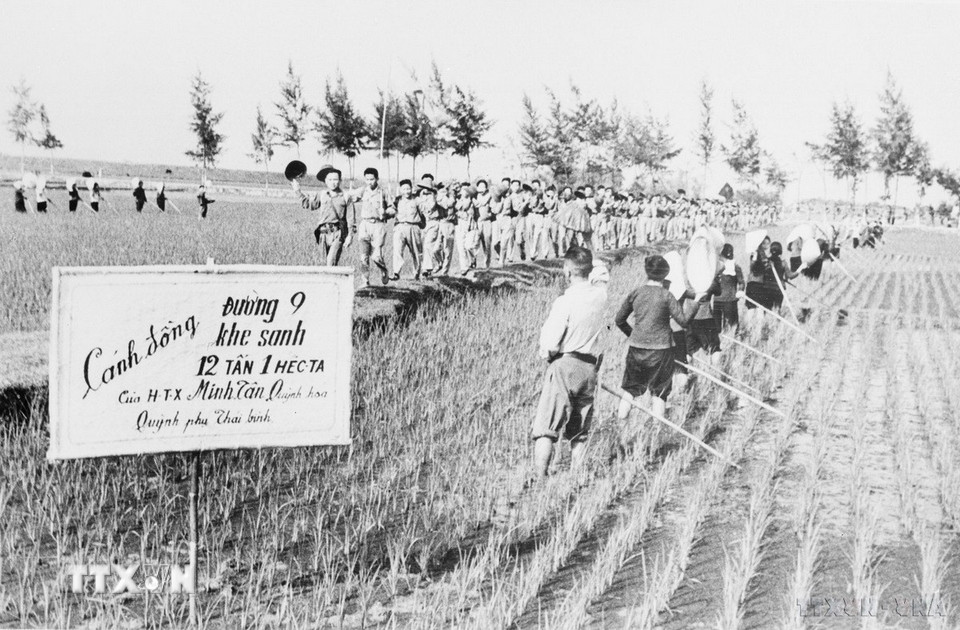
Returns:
(140,196)
(567,341)
(203,201)
(650,357)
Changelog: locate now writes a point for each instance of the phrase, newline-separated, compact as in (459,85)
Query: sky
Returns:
(115,76)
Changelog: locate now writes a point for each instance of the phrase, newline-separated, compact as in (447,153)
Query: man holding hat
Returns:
(331,205)
(372,231)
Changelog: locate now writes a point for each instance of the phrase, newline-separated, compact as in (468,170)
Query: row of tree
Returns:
(891,147)
(28,122)
(434,119)
(585,139)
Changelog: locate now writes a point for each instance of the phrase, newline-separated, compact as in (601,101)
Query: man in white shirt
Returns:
(567,342)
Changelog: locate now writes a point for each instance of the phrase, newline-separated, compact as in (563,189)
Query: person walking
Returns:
(568,340)
(407,230)
(330,204)
(372,229)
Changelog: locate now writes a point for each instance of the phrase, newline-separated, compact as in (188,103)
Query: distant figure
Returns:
(19,201)
(161,197)
(41,196)
(74,195)
(95,197)
(203,201)
(140,196)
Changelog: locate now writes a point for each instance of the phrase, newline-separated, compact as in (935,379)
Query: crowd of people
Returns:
(486,225)
(666,324)
(95,199)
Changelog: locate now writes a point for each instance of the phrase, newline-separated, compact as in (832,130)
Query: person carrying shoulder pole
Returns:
(650,358)
(567,341)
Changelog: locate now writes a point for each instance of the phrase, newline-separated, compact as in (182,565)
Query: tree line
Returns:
(573,138)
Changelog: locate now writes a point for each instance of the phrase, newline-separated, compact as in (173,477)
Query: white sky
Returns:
(115,75)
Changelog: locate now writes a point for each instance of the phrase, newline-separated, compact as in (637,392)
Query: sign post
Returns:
(190,359)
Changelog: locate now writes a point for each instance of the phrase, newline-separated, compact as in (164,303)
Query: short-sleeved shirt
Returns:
(372,202)
(408,210)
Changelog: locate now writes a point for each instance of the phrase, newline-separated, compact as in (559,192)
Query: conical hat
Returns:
(712,234)
(678,286)
(700,265)
(754,239)
(810,251)
(159,186)
(90,182)
(29,180)
(71,182)
(805,231)
(41,182)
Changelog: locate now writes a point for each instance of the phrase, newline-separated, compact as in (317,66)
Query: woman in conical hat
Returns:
(759,263)
(95,195)
(161,196)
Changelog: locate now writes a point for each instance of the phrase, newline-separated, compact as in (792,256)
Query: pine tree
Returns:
(387,127)
(743,153)
(20,117)
(340,127)
(706,139)
(47,140)
(469,123)
(418,134)
(264,138)
(293,111)
(204,125)
(534,137)
(894,152)
(845,150)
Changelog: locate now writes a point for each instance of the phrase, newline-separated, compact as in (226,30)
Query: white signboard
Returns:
(154,359)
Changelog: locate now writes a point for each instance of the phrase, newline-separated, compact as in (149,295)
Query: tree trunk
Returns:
(21,158)
(413,168)
(896,190)
(468,167)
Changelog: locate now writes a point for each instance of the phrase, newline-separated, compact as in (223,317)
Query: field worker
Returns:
(406,232)
(703,332)
(19,201)
(467,236)
(331,204)
(73,194)
(575,219)
(372,231)
(162,196)
(756,289)
(537,224)
(430,211)
(725,305)
(515,207)
(139,196)
(95,197)
(503,227)
(650,356)
(777,266)
(485,220)
(551,205)
(41,196)
(446,199)
(203,201)
(567,342)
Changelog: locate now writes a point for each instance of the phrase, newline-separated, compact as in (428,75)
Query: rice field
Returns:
(844,510)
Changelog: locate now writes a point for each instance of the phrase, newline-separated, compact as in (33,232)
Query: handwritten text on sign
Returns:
(153,359)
